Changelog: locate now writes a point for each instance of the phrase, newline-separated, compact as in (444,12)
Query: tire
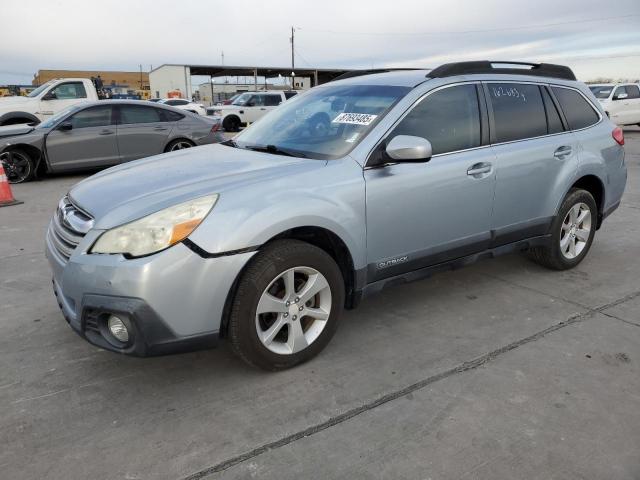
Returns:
(231,124)
(264,279)
(18,166)
(564,232)
(179,144)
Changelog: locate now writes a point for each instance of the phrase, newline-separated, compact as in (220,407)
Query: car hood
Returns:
(130,191)
(13,130)
(6,102)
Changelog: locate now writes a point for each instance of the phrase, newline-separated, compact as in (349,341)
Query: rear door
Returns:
(142,131)
(91,142)
(535,153)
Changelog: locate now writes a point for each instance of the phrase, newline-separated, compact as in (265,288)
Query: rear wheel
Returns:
(179,144)
(18,166)
(572,232)
(287,306)
(231,124)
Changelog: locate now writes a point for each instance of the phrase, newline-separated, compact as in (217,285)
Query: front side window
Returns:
(578,112)
(92,117)
(518,111)
(448,118)
(631,91)
(256,101)
(71,90)
(326,122)
(139,114)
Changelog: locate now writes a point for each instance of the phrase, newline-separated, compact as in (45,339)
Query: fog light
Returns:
(118,329)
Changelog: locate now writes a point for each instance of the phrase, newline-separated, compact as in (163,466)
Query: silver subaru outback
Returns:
(369,180)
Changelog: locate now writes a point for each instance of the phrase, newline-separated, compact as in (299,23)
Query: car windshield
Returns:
(242,99)
(38,91)
(325,123)
(601,91)
(58,116)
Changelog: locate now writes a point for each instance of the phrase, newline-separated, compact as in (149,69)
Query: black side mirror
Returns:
(65,126)
(250,104)
(50,95)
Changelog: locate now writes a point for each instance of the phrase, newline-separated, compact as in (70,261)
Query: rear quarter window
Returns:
(578,112)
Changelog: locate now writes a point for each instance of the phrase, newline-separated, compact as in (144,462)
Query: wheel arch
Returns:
(595,186)
(320,237)
(7,118)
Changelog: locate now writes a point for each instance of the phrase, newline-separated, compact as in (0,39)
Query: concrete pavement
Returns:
(500,370)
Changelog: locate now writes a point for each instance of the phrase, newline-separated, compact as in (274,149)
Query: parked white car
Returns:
(621,101)
(183,104)
(46,100)
(248,108)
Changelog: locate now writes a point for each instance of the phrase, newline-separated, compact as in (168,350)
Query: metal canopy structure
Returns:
(317,75)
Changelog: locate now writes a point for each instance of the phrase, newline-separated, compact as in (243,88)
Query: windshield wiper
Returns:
(275,150)
(229,143)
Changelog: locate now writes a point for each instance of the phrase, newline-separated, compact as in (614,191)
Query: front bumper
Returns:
(171,301)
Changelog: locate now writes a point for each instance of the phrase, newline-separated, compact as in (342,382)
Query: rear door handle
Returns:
(263,108)
(478,170)
(107,132)
(562,152)
(160,128)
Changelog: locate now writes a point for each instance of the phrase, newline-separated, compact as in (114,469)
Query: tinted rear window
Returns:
(518,111)
(578,112)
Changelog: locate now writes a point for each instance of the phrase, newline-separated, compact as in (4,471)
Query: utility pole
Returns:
(140,76)
(292,55)
(222,55)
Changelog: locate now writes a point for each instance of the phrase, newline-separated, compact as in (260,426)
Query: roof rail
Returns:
(359,73)
(487,66)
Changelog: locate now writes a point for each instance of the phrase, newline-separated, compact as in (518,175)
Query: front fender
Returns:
(332,198)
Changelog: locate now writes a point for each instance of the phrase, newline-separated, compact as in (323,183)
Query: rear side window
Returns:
(169,116)
(288,95)
(578,112)
(554,124)
(272,100)
(518,111)
(139,114)
(92,117)
(448,118)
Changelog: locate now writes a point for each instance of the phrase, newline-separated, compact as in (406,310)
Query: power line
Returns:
(461,32)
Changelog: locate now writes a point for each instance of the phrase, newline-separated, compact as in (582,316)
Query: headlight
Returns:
(157,231)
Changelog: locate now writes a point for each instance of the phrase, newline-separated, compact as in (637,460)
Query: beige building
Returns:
(135,80)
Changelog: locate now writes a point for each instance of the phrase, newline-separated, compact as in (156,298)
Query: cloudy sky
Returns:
(596,38)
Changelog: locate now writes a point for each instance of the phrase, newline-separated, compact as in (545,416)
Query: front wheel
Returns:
(179,144)
(572,232)
(287,306)
(18,166)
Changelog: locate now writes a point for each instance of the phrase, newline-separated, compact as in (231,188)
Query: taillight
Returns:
(618,135)
(215,128)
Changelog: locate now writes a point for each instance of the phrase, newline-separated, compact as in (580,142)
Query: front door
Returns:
(91,141)
(424,213)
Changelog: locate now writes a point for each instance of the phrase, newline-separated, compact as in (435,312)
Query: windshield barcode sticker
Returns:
(355,118)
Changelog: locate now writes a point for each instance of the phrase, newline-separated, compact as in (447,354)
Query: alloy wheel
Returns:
(180,146)
(17,167)
(575,230)
(293,310)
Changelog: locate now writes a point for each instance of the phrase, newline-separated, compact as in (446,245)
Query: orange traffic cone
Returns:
(6,197)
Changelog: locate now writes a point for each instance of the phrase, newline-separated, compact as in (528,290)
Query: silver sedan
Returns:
(100,134)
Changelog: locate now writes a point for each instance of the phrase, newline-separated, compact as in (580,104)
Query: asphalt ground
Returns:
(502,370)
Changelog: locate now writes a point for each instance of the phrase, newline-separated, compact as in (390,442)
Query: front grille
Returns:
(68,226)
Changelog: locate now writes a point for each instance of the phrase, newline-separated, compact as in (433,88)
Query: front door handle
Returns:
(479,170)
(263,108)
(106,132)
(160,128)
(562,152)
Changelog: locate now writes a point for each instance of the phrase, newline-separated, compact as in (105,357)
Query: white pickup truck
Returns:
(247,108)
(46,100)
